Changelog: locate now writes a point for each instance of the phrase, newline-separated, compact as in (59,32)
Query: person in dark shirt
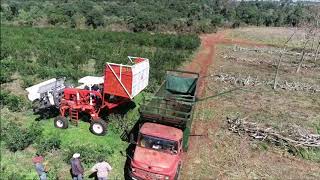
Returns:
(76,167)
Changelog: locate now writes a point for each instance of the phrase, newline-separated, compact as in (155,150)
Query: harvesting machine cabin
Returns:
(46,94)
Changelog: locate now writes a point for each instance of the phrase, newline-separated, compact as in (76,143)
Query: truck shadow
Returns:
(130,136)
(126,169)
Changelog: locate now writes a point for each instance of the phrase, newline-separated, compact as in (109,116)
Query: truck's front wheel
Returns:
(98,127)
(61,122)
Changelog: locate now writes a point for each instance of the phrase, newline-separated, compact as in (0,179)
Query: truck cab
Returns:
(158,152)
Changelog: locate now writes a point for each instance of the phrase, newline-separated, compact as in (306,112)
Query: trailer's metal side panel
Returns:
(187,131)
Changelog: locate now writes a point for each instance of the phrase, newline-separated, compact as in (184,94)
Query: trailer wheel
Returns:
(98,127)
(61,122)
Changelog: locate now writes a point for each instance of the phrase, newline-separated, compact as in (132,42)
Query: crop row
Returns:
(42,53)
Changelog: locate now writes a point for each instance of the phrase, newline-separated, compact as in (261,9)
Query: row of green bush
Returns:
(42,53)
(12,101)
(18,138)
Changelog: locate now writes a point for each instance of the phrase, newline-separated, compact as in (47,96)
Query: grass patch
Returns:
(75,138)
(80,136)
(312,154)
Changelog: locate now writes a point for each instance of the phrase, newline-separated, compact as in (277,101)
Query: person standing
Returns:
(76,167)
(102,168)
(38,162)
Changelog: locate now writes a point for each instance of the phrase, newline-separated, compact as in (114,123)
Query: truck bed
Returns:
(173,103)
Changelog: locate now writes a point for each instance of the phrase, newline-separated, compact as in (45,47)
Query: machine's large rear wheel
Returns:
(61,122)
(98,127)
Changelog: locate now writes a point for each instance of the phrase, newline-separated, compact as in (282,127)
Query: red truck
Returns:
(165,128)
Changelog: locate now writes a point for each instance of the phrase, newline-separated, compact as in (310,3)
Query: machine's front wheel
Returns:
(61,122)
(98,127)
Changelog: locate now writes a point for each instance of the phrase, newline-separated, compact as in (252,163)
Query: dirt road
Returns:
(200,148)
(201,63)
(206,55)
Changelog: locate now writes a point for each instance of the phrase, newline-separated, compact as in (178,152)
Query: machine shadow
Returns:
(52,112)
(47,113)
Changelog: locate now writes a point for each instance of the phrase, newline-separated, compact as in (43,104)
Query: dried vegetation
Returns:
(279,138)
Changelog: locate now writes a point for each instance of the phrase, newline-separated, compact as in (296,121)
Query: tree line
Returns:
(153,15)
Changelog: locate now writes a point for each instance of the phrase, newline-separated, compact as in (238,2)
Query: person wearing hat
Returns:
(38,162)
(76,167)
(102,168)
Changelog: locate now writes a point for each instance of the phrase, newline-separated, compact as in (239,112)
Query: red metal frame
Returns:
(114,91)
(79,100)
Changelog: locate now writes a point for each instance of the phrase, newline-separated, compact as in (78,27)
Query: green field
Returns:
(31,55)
(19,163)
(38,54)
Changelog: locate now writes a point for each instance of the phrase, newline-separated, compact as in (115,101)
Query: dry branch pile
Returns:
(239,80)
(254,81)
(295,136)
(298,86)
(271,51)
(249,60)
(272,62)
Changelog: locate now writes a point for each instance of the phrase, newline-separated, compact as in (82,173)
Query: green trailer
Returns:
(173,104)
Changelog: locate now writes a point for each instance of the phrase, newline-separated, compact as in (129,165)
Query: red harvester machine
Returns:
(119,85)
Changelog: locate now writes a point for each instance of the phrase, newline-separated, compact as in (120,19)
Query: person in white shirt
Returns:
(102,168)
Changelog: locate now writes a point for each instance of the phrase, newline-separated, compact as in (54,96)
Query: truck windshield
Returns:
(158,144)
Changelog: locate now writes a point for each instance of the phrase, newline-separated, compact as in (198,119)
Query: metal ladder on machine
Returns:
(74,116)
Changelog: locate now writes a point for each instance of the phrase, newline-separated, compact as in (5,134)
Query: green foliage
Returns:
(6,67)
(89,152)
(317,127)
(54,172)
(145,21)
(13,102)
(126,122)
(40,53)
(18,138)
(153,15)
(263,145)
(310,154)
(11,175)
(95,19)
(48,144)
